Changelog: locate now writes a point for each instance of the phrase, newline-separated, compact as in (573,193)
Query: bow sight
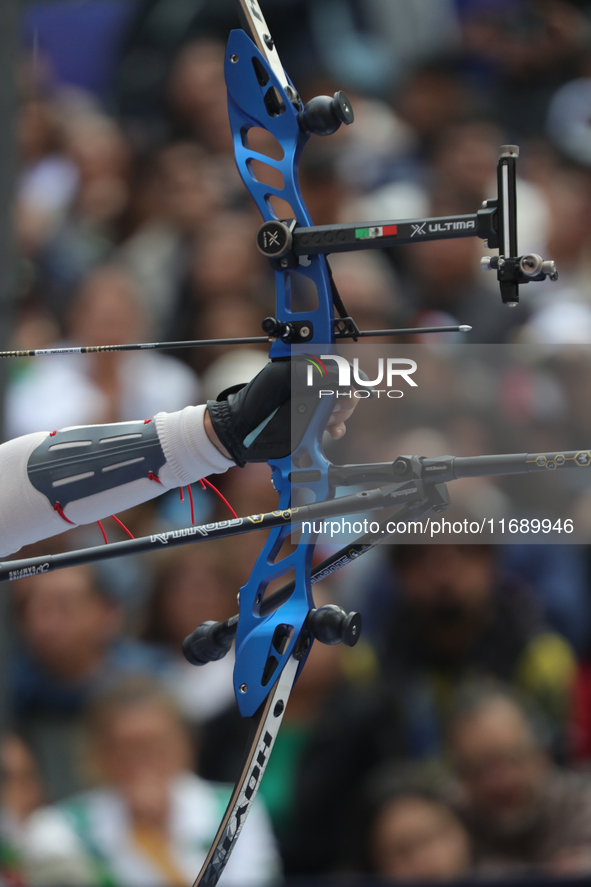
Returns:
(284,243)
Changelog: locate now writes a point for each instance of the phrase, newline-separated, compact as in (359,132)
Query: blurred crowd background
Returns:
(455,739)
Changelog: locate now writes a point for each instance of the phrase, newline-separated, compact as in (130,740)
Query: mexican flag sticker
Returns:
(372,233)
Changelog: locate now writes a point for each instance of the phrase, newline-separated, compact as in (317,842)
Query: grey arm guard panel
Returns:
(74,464)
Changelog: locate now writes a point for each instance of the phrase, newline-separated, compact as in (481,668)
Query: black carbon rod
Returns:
(323,239)
(446,468)
(367,500)
(442,469)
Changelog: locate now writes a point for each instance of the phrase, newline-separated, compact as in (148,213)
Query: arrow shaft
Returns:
(202,343)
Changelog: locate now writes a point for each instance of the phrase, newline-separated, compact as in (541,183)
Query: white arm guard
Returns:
(27,515)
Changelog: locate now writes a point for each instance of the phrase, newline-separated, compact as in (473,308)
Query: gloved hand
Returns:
(253,422)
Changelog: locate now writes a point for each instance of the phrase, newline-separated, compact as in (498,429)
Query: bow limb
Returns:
(265,728)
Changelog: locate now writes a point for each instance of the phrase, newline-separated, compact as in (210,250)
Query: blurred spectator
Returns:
(520,51)
(222,272)
(357,729)
(20,794)
(324,189)
(100,155)
(433,97)
(229,291)
(568,194)
(48,178)
(174,198)
(71,650)
(363,44)
(149,821)
(416,837)
(566,320)
(454,620)
(224,317)
(521,811)
(456,617)
(568,117)
(21,790)
(97,388)
(197,95)
(464,162)
(559,577)
(198,105)
(564,315)
(194,584)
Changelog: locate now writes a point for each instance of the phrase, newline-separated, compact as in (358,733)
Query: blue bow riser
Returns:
(254,640)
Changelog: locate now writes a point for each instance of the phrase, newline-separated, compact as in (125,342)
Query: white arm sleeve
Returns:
(26,515)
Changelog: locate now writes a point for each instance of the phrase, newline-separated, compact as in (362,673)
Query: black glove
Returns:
(254,421)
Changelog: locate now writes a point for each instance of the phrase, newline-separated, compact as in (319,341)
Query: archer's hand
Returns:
(336,424)
(253,422)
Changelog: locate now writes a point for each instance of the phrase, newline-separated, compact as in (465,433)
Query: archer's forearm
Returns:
(28,515)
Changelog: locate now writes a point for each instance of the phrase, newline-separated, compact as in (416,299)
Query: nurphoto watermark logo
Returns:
(391,371)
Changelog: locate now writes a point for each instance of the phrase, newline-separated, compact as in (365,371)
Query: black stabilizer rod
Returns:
(210,641)
(446,468)
(277,239)
(442,469)
(379,235)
